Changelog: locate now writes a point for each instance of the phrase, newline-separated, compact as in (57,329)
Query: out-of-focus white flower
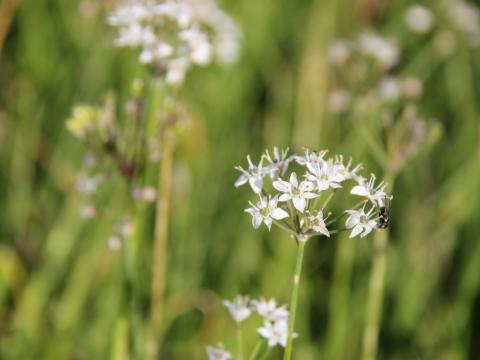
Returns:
(266,211)
(89,211)
(176,35)
(317,223)
(360,222)
(418,18)
(338,101)
(412,87)
(218,353)
(385,52)
(239,308)
(114,243)
(276,332)
(338,52)
(253,175)
(298,193)
(466,17)
(389,89)
(376,194)
(269,310)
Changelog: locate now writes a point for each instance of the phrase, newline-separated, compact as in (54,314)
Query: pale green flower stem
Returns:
(266,353)
(256,350)
(294,298)
(239,343)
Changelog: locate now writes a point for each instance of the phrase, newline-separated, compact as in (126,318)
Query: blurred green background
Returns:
(61,286)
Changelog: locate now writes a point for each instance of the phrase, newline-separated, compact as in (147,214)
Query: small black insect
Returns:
(383,217)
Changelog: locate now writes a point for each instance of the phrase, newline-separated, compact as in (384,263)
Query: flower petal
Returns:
(299,203)
(282,186)
(279,214)
(256,183)
(359,190)
(284,197)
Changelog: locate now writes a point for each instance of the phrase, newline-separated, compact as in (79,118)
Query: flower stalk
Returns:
(294,297)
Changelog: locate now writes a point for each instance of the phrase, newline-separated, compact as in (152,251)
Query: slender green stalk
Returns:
(7,13)
(256,350)
(160,236)
(266,353)
(294,297)
(239,343)
(375,297)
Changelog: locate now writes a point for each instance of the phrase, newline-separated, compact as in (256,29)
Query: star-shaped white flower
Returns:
(317,223)
(276,332)
(239,308)
(218,354)
(254,175)
(367,189)
(298,193)
(360,222)
(278,163)
(269,310)
(324,175)
(266,211)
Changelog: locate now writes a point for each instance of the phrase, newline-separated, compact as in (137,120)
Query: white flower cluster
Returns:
(294,205)
(463,16)
(176,35)
(383,51)
(275,318)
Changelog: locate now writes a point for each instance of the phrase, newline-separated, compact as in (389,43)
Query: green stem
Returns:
(294,297)
(266,353)
(239,343)
(375,297)
(256,350)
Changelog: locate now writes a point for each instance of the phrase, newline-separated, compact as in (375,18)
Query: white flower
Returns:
(176,70)
(278,162)
(266,211)
(176,34)
(317,223)
(338,52)
(239,308)
(312,157)
(360,222)
(324,175)
(254,175)
(382,50)
(367,189)
(298,193)
(275,332)
(419,19)
(269,310)
(218,354)
(338,101)
(389,89)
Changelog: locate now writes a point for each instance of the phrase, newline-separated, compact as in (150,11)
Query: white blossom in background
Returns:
(176,35)
(338,101)
(338,52)
(305,201)
(466,17)
(268,309)
(360,223)
(389,89)
(266,211)
(276,332)
(384,51)
(419,19)
(218,353)
(239,308)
